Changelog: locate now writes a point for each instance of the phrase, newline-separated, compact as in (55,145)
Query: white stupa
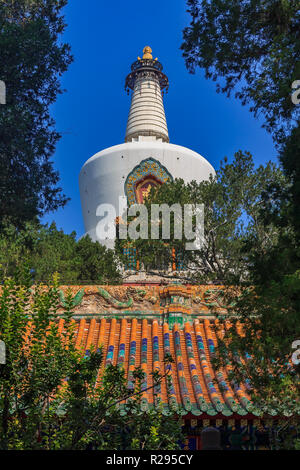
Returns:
(146,158)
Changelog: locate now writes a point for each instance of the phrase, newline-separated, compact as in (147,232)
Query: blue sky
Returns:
(106,37)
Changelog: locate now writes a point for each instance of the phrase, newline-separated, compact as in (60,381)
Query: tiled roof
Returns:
(195,387)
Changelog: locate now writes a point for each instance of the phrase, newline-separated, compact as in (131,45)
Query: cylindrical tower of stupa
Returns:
(147,114)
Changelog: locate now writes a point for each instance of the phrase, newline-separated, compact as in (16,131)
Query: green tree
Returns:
(36,359)
(52,250)
(32,58)
(45,249)
(14,249)
(257,349)
(50,393)
(252,47)
(289,158)
(96,262)
(100,418)
(258,55)
(232,205)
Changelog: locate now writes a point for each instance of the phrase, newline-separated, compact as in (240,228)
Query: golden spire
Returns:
(147,53)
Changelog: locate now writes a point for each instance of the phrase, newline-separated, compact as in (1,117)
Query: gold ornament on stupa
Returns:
(147,53)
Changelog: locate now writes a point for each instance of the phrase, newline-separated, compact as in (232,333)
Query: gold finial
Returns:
(147,53)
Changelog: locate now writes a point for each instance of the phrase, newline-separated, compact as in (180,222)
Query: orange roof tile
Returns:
(194,387)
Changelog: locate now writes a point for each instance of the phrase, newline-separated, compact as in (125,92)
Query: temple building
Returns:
(137,323)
